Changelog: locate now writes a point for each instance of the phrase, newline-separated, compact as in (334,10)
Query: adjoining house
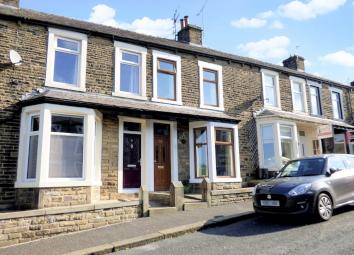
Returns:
(95,112)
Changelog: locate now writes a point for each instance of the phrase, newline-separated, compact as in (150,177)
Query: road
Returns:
(261,235)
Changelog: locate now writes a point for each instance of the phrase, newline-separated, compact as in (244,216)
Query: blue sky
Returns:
(322,31)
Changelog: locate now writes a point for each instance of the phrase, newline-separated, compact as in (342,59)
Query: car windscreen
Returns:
(303,167)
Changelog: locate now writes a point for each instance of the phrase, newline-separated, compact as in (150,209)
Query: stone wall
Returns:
(231,196)
(20,227)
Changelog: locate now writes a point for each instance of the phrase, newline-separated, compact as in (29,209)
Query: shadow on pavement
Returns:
(260,225)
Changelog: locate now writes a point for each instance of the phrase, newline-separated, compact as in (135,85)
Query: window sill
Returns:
(220,109)
(301,113)
(157,100)
(272,107)
(65,86)
(34,184)
(128,95)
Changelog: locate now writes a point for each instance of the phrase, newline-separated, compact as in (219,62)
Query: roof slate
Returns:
(150,41)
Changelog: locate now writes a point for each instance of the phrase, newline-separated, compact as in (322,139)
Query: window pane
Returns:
(223,135)
(336,163)
(339,138)
(35,123)
(297,87)
(132,126)
(201,161)
(66,68)
(32,157)
(200,135)
(127,56)
(269,80)
(267,132)
(268,144)
(66,156)
(166,86)
(129,78)
(166,65)
(315,101)
(286,148)
(210,94)
(285,131)
(298,102)
(270,96)
(70,45)
(224,160)
(67,124)
(209,75)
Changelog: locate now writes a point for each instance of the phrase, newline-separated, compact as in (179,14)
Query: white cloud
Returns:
(105,15)
(265,15)
(340,58)
(311,9)
(273,48)
(249,23)
(277,25)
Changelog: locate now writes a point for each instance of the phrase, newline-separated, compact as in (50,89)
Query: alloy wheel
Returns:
(325,208)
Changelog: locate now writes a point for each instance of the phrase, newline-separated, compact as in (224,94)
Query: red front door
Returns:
(162,157)
(131,161)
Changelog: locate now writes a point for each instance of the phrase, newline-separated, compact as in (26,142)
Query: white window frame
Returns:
(91,150)
(303,93)
(276,86)
(53,35)
(319,87)
(141,51)
(210,126)
(163,55)
(340,92)
(218,68)
(277,141)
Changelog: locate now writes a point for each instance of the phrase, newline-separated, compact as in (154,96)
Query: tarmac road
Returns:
(263,235)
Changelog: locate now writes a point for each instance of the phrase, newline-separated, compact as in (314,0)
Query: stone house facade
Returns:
(94,112)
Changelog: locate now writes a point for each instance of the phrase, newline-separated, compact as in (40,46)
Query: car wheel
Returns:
(324,207)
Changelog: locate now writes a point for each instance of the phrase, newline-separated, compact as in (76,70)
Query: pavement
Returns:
(263,236)
(136,233)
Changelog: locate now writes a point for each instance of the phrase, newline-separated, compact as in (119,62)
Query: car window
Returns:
(349,161)
(336,163)
(303,167)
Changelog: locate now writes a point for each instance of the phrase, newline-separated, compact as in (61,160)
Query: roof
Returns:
(266,114)
(125,105)
(149,41)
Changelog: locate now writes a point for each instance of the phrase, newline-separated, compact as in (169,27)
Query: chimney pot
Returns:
(182,23)
(186,21)
(189,33)
(352,84)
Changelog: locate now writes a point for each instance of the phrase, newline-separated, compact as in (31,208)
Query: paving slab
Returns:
(108,235)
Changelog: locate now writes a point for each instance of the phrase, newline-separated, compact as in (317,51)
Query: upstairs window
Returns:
(166,78)
(337,104)
(211,86)
(130,71)
(270,82)
(315,101)
(66,60)
(298,89)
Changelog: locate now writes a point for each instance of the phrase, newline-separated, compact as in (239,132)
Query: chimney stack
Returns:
(295,62)
(352,84)
(189,33)
(12,3)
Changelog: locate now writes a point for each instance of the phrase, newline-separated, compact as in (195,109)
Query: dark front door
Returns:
(162,157)
(131,161)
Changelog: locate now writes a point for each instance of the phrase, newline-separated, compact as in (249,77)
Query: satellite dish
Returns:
(15,58)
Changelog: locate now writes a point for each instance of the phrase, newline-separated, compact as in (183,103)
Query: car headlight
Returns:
(300,189)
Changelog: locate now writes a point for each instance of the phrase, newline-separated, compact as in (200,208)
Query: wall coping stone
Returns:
(231,191)
(67,209)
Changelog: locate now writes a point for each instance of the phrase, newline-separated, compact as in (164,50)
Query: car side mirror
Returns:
(332,170)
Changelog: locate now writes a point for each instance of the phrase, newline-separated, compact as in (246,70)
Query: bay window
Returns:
(66,59)
(130,71)
(337,106)
(62,145)
(214,152)
(268,144)
(166,78)
(211,86)
(270,81)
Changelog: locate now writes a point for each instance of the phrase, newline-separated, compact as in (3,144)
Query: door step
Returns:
(161,211)
(188,206)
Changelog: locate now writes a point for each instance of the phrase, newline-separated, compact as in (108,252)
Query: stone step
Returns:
(162,198)
(161,211)
(194,205)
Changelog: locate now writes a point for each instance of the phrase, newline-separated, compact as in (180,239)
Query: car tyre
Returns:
(324,207)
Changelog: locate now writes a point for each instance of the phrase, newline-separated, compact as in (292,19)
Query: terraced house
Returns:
(94,112)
